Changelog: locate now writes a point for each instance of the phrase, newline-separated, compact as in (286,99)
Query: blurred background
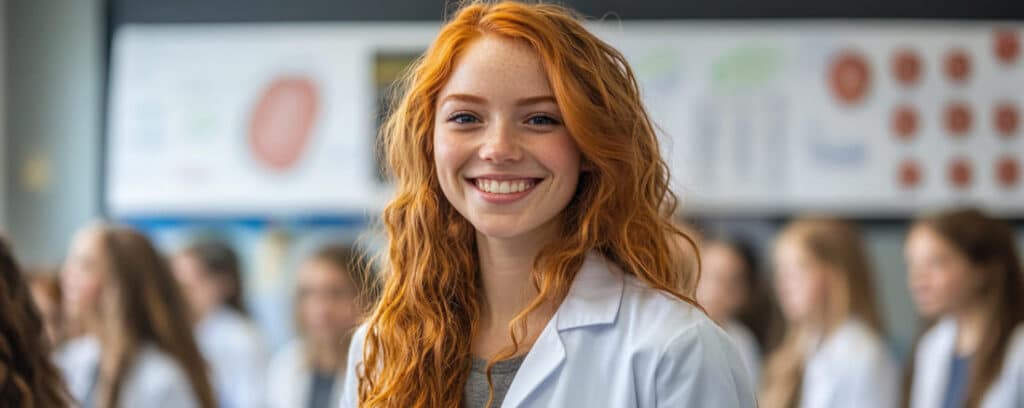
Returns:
(253,122)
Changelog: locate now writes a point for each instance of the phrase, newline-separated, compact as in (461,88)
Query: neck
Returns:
(506,266)
(327,356)
(971,324)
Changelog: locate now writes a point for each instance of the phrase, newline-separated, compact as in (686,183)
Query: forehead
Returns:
(497,67)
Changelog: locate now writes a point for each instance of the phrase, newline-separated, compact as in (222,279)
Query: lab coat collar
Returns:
(594,296)
(934,369)
(593,299)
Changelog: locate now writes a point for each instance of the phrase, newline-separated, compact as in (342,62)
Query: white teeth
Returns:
(503,187)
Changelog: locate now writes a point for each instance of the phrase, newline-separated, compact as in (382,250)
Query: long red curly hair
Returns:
(417,346)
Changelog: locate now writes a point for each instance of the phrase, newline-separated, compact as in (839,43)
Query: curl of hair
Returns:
(28,378)
(417,347)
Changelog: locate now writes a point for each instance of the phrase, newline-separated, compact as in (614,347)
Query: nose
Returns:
(501,145)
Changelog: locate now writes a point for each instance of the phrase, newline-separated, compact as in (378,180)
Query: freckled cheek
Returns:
(449,158)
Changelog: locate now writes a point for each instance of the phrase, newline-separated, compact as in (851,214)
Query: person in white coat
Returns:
(210,274)
(136,350)
(832,353)
(331,295)
(728,284)
(964,271)
(531,256)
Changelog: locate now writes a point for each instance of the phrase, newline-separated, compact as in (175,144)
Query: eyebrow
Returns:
(533,100)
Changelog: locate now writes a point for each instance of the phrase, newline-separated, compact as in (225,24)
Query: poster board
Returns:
(860,118)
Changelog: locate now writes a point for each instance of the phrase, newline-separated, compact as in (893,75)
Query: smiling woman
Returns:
(532,254)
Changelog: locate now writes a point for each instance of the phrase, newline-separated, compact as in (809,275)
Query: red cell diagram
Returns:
(959,173)
(282,120)
(849,77)
(906,67)
(1006,119)
(957,66)
(1006,45)
(909,174)
(1007,172)
(957,119)
(904,122)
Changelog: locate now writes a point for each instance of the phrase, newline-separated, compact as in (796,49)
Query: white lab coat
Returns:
(851,368)
(289,379)
(154,380)
(931,369)
(750,353)
(235,353)
(615,342)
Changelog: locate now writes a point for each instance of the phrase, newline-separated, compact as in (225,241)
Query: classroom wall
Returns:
(52,151)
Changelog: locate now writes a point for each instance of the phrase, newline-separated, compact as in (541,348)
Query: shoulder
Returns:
(856,350)
(941,335)
(156,376)
(648,313)
(1015,350)
(288,360)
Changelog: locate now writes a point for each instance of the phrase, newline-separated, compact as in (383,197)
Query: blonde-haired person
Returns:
(832,353)
(334,287)
(137,350)
(964,271)
(529,259)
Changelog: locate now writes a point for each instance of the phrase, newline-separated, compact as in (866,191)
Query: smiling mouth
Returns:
(512,186)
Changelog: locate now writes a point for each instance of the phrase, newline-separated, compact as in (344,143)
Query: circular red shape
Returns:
(1006,119)
(958,65)
(282,120)
(909,174)
(849,77)
(904,122)
(1007,172)
(1007,46)
(957,119)
(906,67)
(959,173)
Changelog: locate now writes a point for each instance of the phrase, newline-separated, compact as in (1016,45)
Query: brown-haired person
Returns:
(333,289)
(210,274)
(28,379)
(964,271)
(531,255)
(832,354)
(729,282)
(137,350)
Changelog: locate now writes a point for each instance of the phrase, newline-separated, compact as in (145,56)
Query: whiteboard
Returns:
(860,117)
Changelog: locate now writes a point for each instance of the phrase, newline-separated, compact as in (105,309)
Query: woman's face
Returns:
(503,156)
(201,290)
(723,288)
(326,302)
(940,277)
(800,282)
(83,276)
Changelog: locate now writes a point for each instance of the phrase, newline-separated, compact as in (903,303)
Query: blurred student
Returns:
(965,271)
(136,351)
(832,353)
(44,286)
(28,379)
(330,298)
(728,283)
(210,275)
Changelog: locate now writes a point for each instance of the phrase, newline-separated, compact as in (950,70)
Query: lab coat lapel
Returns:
(593,299)
(935,366)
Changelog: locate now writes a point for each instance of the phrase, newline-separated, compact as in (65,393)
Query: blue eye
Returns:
(463,118)
(542,120)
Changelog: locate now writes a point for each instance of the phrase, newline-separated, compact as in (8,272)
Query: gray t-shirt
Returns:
(476,392)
